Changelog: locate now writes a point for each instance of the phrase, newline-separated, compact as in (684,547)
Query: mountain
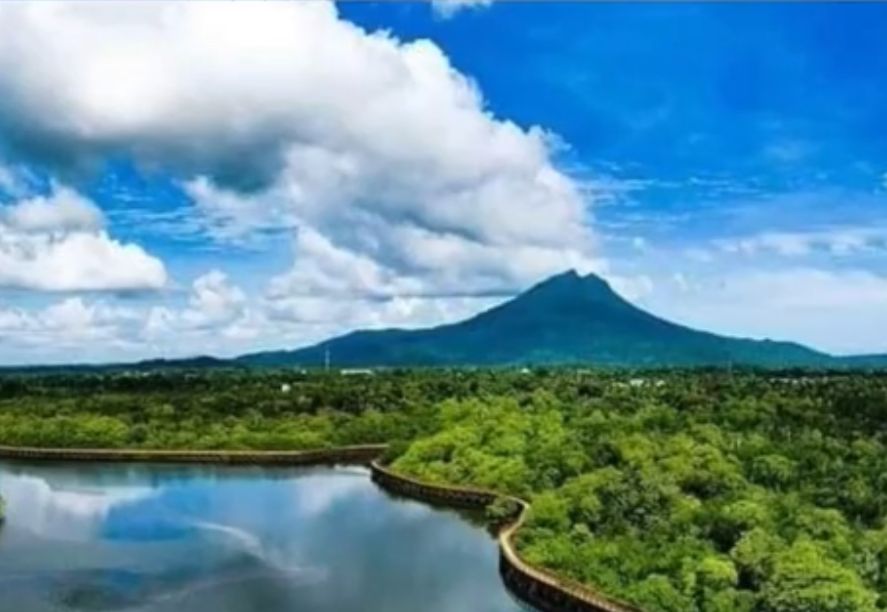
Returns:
(200,362)
(864,361)
(567,319)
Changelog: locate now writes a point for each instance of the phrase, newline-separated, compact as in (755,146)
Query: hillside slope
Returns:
(566,319)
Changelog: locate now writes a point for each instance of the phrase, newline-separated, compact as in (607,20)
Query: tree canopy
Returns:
(675,490)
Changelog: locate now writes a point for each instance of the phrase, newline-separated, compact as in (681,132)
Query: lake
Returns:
(151,538)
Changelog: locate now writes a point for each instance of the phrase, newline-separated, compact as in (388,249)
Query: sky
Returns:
(195,177)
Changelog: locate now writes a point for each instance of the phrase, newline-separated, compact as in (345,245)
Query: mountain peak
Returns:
(570,274)
(572,285)
(566,319)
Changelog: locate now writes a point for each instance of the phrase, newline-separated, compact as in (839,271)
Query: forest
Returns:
(674,490)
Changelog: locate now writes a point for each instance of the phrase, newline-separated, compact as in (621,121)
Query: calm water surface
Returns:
(173,539)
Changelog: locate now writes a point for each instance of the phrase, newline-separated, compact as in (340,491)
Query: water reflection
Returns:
(165,538)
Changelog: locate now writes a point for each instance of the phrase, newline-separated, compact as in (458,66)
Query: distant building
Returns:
(356,372)
(286,388)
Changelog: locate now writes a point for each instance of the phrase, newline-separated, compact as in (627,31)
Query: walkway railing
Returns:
(542,589)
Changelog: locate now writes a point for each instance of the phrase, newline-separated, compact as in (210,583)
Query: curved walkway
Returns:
(542,589)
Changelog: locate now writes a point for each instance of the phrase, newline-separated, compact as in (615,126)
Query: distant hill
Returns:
(567,319)
(200,362)
(864,361)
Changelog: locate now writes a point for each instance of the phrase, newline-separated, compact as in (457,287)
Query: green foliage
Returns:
(678,491)
(805,579)
(686,491)
(502,511)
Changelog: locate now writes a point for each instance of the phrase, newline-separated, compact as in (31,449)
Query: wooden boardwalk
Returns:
(542,589)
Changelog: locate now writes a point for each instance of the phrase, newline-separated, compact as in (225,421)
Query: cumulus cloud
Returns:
(219,318)
(76,329)
(408,202)
(57,242)
(62,211)
(329,316)
(378,151)
(66,323)
(214,301)
(238,218)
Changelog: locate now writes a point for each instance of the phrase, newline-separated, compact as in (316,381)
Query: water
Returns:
(172,539)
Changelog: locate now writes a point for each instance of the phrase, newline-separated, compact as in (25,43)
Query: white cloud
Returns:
(322,268)
(786,244)
(409,202)
(835,310)
(220,319)
(65,324)
(799,304)
(159,322)
(448,8)
(69,513)
(379,151)
(632,288)
(834,241)
(56,243)
(232,217)
(16,181)
(62,211)
(214,301)
(412,262)
(338,316)
(8,180)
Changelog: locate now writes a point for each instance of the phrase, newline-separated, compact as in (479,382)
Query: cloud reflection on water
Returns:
(173,538)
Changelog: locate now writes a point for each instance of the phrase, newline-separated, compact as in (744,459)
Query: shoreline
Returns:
(358,454)
(540,588)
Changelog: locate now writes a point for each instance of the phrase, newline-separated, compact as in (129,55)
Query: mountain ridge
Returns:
(567,319)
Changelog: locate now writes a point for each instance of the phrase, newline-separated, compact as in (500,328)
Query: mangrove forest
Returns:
(676,491)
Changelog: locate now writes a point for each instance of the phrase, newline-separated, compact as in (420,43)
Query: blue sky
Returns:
(399,164)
